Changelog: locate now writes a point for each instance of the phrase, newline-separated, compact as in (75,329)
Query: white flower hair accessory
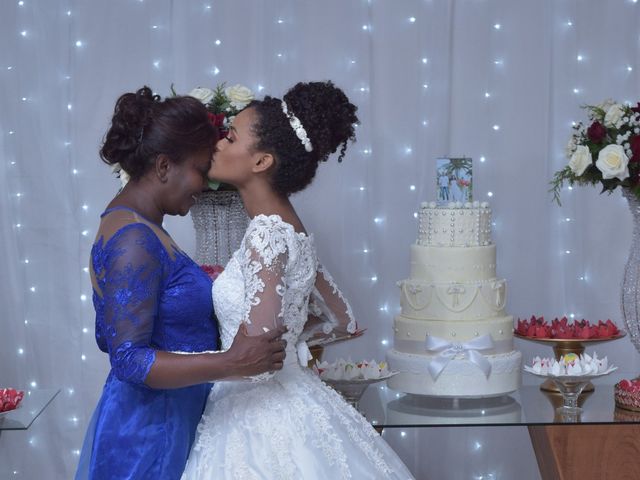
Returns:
(121,174)
(296,124)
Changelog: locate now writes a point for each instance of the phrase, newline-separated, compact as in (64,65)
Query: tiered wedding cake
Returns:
(453,337)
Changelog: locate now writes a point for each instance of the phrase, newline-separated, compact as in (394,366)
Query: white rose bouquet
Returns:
(605,152)
(223,103)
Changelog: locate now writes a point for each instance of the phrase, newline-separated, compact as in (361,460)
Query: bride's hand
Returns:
(253,355)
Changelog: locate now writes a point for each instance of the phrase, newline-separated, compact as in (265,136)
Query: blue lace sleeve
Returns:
(131,287)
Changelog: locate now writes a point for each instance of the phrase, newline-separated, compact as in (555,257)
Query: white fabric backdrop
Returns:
(497,80)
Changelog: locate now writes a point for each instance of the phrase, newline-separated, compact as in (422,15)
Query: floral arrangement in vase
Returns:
(219,217)
(223,104)
(605,151)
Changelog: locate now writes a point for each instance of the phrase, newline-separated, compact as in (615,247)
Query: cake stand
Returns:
(352,390)
(562,346)
(316,346)
(570,386)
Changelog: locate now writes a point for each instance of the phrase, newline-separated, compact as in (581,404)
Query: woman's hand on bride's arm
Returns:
(247,356)
(252,355)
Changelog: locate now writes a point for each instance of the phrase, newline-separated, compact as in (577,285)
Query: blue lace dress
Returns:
(148,296)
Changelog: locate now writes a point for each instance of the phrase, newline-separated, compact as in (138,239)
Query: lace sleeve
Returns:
(263,267)
(133,273)
(264,262)
(330,313)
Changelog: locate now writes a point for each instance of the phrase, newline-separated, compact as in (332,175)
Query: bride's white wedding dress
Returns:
(286,425)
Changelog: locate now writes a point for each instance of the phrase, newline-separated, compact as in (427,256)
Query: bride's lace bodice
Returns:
(274,278)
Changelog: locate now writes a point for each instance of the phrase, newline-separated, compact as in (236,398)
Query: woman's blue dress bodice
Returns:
(148,296)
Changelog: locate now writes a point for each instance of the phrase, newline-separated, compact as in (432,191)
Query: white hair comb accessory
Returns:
(296,124)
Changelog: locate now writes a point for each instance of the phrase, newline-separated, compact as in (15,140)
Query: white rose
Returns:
(613,162)
(606,105)
(239,96)
(205,95)
(580,160)
(614,115)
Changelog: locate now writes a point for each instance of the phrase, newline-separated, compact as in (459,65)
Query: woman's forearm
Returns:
(174,370)
(247,356)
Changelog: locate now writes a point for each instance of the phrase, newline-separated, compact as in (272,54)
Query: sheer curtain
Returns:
(498,80)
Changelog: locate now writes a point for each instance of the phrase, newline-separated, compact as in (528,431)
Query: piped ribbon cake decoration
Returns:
(447,351)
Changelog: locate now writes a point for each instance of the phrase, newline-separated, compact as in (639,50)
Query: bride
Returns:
(288,424)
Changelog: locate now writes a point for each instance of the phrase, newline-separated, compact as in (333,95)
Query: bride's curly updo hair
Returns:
(326,115)
(144,126)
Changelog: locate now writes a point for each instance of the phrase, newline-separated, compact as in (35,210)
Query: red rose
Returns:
(596,132)
(636,109)
(212,270)
(217,119)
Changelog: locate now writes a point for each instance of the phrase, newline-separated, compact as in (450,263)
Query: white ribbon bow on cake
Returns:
(447,351)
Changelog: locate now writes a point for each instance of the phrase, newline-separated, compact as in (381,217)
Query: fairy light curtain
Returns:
(497,80)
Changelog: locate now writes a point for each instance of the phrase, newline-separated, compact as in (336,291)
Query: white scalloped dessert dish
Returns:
(570,366)
(453,337)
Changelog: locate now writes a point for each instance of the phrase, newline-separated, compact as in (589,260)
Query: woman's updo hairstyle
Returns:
(326,115)
(144,126)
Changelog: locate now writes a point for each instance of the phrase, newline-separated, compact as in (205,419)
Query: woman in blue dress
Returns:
(151,299)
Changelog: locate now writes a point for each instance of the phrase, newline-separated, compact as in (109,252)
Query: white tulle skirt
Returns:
(291,426)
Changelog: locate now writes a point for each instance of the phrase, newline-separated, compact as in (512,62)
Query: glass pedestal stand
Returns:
(570,388)
(562,346)
(556,399)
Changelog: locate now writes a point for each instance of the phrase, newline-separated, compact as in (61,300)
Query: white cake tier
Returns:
(447,264)
(410,335)
(456,225)
(453,301)
(421,410)
(460,378)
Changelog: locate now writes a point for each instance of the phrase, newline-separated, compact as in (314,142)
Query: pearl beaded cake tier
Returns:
(452,264)
(457,224)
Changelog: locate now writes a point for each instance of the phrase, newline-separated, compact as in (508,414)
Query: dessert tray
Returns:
(10,399)
(351,379)
(570,374)
(566,338)
(627,394)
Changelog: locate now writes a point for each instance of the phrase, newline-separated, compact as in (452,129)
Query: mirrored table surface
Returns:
(386,408)
(32,405)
